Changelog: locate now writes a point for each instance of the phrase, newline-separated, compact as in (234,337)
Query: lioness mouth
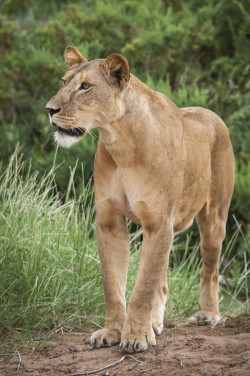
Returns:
(75,132)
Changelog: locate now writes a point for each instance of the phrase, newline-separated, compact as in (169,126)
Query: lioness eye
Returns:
(84,86)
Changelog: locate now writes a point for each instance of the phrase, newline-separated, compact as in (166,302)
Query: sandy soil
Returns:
(189,351)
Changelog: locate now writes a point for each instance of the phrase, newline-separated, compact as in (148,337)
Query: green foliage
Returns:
(196,52)
(241,196)
(48,252)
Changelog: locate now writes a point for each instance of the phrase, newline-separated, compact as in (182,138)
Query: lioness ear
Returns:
(116,70)
(73,57)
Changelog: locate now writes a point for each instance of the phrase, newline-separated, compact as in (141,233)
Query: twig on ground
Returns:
(108,366)
(100,369)
(20,364)
(146,370)
(3,359)
(131,356)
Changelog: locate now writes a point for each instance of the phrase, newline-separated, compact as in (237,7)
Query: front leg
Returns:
(113,246)
(137,332)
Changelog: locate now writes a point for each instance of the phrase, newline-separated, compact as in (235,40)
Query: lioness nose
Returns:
(52,111)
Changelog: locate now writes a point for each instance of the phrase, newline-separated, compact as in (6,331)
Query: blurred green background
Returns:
(197,52)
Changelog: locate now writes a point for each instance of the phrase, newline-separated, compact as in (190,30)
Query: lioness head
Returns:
(90,96)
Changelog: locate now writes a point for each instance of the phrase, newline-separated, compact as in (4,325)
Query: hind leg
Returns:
(211,221)
(212,227)
(212,233)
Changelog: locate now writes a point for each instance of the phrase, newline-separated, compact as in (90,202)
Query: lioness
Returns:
(161,167)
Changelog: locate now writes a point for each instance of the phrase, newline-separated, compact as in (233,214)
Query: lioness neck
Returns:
(139,132)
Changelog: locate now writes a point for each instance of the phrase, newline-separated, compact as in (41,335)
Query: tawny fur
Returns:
(158,165)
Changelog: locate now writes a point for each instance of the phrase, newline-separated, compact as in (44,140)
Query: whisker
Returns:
(94,137)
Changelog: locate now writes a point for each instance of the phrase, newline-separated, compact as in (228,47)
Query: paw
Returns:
(204,318)
(137,342)
(158,327)
(105,338)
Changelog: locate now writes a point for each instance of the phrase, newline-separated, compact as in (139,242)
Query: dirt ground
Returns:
(189,351)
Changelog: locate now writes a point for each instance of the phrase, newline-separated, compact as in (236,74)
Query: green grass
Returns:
(50,270)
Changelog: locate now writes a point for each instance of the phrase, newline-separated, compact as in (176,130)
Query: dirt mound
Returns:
(187,351)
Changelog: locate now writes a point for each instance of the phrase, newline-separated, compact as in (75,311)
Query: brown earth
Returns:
(189,351)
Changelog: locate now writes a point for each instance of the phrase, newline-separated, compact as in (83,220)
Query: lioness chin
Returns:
(161,167)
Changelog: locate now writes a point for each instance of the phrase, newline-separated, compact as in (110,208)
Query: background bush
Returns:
(196,52)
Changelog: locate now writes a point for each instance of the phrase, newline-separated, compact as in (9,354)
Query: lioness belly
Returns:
(184,217)
(193,199)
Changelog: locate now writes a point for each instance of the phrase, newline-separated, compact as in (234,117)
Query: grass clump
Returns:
(49,267)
